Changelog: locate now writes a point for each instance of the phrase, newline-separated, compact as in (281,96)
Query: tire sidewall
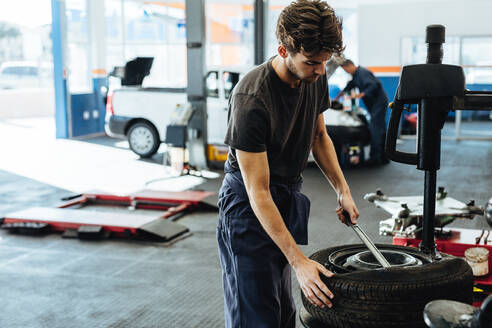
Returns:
(153,132)
(393,297)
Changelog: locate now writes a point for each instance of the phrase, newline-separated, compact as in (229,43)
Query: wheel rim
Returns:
(367,261)
(141,140)
(360,259)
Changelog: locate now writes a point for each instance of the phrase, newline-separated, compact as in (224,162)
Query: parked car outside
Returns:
(24,74)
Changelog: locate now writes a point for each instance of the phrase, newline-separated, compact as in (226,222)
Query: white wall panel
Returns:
(382,26)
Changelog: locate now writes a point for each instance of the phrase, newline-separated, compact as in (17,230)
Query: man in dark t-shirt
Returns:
(275,120)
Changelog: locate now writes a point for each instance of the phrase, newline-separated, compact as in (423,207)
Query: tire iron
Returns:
(369,244)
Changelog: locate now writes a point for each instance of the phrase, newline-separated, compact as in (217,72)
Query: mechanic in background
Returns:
(376,100)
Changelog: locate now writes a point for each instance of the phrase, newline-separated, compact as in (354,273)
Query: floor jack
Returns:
(436,89)
(97,215)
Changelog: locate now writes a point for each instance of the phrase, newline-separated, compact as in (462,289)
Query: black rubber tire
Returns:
(152,132)
(350,134)
(393,297)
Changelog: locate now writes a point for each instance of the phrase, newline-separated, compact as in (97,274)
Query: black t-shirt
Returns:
(266,114)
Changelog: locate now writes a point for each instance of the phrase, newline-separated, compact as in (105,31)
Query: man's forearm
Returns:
(256,176)
(270,219)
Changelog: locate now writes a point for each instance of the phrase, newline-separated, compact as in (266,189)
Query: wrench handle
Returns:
(367,241)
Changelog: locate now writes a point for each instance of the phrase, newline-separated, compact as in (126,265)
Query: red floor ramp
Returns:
(145,214)
(89,224)
(204,200)
(171,202)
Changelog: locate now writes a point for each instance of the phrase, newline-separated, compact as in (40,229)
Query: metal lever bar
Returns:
(365,239)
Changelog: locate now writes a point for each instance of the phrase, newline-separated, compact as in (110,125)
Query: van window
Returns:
(230,79)
(212,84)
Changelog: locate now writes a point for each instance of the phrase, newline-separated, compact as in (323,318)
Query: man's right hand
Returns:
(308,275)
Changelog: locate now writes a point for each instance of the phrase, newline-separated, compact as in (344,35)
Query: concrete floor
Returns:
(53,282)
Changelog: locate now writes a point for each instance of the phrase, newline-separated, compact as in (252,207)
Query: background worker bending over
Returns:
(376,101)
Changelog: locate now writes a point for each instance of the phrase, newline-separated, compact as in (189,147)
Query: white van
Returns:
(142,114)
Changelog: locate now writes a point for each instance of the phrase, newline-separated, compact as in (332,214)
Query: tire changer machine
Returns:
(436,89)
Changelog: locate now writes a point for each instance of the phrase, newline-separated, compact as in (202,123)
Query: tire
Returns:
(488,209)
(393,297)
(143,139)
(350,134)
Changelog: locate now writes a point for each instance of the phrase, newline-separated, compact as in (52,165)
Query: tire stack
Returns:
(393,297)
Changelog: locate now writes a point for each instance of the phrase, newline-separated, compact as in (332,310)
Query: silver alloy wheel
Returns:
(141,140)
(356,258)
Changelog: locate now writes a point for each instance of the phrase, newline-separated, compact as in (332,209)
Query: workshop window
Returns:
(79,74)
(230,33)
(113,21)
(473,53)
(414,50)
(148,29)
(476,59)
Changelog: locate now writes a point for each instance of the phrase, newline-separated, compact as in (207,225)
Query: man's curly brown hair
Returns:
(310,26)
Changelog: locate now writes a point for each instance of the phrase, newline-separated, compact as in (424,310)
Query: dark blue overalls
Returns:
(256,276)
(376,102)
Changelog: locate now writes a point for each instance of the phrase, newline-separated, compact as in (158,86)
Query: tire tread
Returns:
(392,297)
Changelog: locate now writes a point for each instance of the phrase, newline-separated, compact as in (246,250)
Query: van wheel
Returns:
(143,139)
(385,298)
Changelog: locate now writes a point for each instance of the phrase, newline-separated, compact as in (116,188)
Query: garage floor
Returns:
(53,282)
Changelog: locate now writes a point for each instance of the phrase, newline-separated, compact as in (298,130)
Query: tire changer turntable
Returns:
(372,297)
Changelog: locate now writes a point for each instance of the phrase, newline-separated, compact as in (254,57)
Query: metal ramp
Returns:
(146,214)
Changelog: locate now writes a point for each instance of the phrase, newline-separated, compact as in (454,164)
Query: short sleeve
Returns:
(248,124)
(325,101)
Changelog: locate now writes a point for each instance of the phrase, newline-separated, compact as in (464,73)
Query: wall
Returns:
(381,27)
